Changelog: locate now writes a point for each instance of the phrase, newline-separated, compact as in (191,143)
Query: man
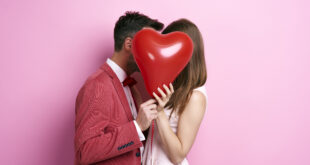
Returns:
(108,127)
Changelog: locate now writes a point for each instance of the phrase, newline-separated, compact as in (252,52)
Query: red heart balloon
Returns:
(161,57)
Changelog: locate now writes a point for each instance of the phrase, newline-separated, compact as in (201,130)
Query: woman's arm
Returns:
(178,145)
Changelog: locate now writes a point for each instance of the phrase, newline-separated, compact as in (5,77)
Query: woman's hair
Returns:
(194,74)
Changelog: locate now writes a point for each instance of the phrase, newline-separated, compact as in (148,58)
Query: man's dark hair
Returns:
(129,24)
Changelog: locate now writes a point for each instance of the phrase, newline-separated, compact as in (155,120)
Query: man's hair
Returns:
(129,24)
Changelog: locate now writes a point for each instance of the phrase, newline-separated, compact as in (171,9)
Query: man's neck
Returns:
(121,60)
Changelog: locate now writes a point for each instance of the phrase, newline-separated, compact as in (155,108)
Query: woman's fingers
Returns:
(157,97)
(167,90)
(171,88)
(163,95)
(162,101)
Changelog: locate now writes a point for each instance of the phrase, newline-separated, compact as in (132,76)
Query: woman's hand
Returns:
(164,97)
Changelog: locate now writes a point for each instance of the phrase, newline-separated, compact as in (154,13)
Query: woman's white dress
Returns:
(158,156)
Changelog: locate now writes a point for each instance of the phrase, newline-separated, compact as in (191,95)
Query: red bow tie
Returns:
(129,81)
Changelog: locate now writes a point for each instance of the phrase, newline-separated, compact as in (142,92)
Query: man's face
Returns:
(132,65)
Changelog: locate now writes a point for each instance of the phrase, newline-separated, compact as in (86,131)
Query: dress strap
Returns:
(203,90)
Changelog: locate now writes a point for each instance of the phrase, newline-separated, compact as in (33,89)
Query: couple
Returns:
(114,126)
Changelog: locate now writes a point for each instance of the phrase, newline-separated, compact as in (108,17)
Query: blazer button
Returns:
(138,154)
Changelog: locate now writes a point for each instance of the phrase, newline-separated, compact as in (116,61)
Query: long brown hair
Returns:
(194,74)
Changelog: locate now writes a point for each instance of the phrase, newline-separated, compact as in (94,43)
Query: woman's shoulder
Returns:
(201,89)
(198,96)
(196,106)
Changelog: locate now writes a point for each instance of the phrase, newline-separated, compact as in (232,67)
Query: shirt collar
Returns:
(120,73)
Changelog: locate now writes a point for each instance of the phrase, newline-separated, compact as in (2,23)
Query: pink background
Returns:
(258,61)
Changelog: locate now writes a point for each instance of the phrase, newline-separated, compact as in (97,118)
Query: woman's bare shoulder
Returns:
(197,103)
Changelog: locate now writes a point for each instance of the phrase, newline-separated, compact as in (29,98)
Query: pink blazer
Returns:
(104,128)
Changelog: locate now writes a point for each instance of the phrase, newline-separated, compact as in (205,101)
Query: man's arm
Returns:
(137,98)
(96,138)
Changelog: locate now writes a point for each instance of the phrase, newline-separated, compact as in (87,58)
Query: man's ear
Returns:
(127,43)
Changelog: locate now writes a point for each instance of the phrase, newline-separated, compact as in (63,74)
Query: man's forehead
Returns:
(148,27)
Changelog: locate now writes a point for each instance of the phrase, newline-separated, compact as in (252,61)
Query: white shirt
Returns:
(121,75)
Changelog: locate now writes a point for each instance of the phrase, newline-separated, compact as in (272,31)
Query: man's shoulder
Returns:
(98,79)
(100,76)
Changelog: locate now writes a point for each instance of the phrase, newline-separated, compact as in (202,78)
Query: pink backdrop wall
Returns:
(257,54)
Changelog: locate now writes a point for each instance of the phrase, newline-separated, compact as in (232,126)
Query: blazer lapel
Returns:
(119,90)
(136,100)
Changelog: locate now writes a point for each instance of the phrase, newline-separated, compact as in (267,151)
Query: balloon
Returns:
(160,57)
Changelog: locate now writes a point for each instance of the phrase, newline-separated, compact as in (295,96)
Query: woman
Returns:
(181,107)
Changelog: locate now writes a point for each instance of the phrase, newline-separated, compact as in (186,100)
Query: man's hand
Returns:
(147,112)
